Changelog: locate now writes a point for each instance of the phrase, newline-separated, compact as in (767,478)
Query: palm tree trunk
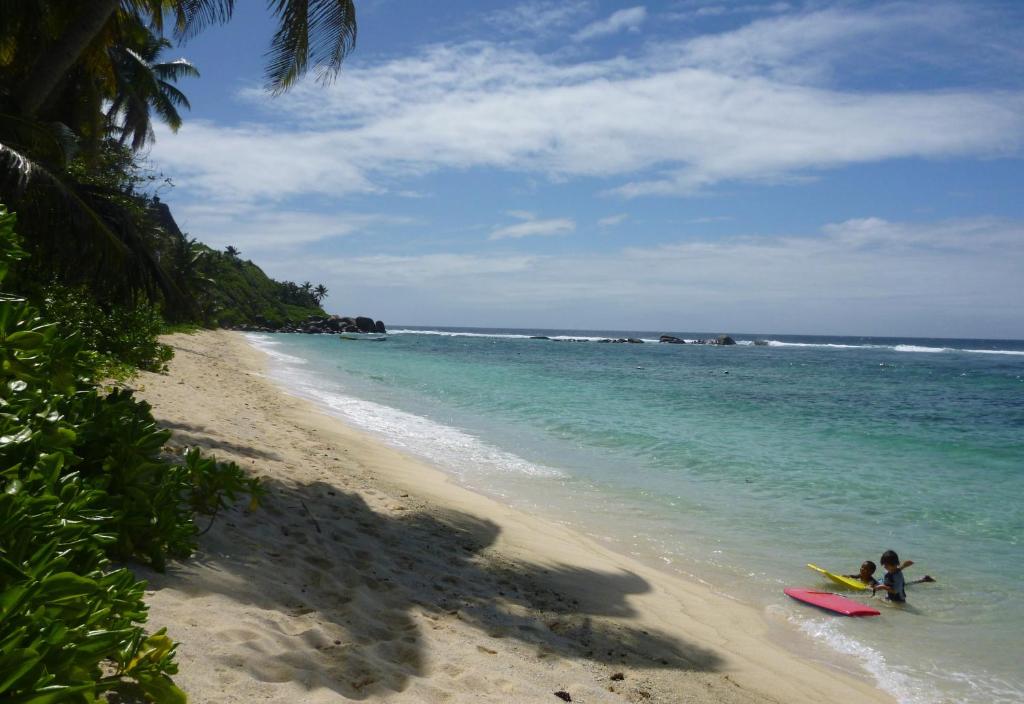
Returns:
(45,76)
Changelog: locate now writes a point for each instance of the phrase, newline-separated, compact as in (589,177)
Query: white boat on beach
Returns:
(366,337)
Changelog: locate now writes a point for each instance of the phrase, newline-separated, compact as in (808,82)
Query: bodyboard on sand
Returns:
(830,602)
(848,582)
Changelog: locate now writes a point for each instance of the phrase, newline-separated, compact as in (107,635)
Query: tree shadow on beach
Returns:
(190,434)
(359,588)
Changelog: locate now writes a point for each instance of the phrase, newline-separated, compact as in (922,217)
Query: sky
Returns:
(684,165)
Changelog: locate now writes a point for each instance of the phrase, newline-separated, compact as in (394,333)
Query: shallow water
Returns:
(738,465)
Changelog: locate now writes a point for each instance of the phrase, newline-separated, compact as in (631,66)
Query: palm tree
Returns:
(75,214)
(142,85)
(231,252)
(321,32)
(320,293)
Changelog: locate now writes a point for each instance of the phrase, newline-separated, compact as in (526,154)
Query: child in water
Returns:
(892,583)
(866,574)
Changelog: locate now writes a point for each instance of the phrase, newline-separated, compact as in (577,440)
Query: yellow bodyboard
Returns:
(848,582)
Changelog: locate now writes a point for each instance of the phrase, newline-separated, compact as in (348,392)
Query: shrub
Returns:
(82,479)
(123,336)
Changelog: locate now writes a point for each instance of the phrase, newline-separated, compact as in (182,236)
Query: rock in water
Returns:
(672,340)
(724,340)
(366,324)
(379,327)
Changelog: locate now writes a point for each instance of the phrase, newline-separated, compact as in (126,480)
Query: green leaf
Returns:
(11,571)
(65,586)
(24,340)
(15,664)
(53,694)
(161,689)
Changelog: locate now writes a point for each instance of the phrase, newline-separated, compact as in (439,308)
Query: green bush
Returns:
(83,479)
(122,336)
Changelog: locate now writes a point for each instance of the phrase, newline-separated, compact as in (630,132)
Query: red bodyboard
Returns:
(831,602)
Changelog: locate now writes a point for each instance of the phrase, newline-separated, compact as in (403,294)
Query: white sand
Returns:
(369,575)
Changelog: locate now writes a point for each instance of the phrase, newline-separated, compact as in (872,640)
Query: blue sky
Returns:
(788,167)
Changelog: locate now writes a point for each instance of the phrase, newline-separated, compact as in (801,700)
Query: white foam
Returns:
(919,348)
(451,449)
(449,333)
(508,336)
(266,345)
(770,343)
(1013,352)
(779,343)
(904,688)
(895,348)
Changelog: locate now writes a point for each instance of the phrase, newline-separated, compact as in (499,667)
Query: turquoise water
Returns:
(738,465)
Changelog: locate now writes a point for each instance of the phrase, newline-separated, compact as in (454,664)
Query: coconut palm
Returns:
(320,293)
(144,85)
(70,209)
(317,32)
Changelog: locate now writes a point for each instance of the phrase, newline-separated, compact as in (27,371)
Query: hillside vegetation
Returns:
(239,293)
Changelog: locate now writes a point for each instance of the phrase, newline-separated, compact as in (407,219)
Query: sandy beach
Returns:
(369,575)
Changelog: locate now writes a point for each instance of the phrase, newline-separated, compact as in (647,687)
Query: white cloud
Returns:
(521,214)
(866,276)
(734,106)
(534,228)
(255,229)
(539,18)
(704,219)
(613,220)
(628,19)
(698,11)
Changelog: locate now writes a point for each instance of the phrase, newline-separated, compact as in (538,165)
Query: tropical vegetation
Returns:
(83,481)
(100,268)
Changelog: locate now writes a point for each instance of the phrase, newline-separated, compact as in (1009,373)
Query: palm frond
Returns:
(25,184)
(87,227)
(193,16)
(175,70)
(320,33)
(175,96)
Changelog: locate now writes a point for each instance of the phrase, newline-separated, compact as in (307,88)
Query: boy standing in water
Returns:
(893,582)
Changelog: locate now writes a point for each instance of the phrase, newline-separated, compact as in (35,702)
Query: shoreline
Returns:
(372,575)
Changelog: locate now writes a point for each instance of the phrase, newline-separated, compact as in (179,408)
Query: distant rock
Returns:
(672,340)
(761,343)
(724,340)
(539,337)
(320,325)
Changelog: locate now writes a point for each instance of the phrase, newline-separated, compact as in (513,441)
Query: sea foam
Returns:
(457,451)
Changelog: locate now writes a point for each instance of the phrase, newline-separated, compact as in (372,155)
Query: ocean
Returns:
(736,466)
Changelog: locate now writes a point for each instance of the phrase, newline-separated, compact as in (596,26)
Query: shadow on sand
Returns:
(191,434)
(359,587)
